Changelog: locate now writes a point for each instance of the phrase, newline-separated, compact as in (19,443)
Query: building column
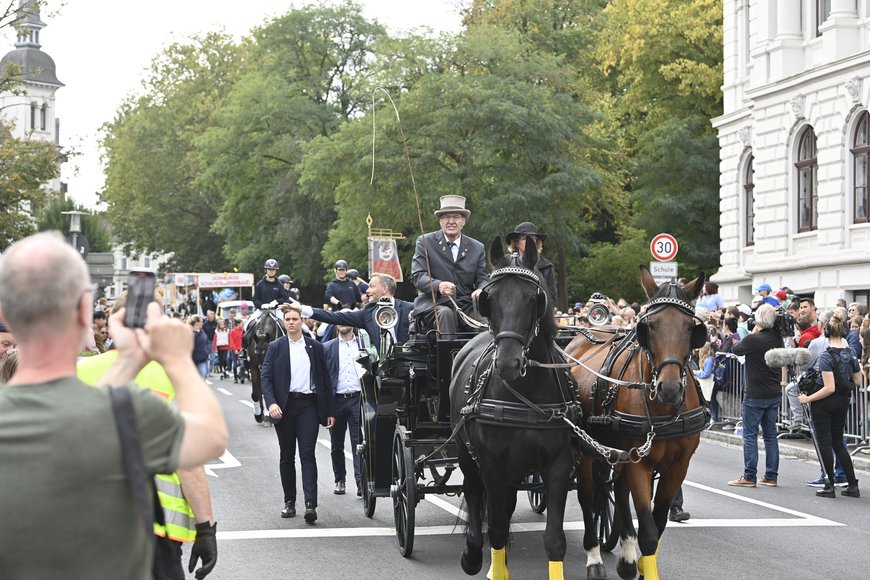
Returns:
(788,20)
(840,34)
(844,9)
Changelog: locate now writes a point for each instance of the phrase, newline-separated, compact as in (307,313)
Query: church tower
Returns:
(31,108)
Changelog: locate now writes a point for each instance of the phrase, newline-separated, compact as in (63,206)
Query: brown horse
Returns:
(638,394)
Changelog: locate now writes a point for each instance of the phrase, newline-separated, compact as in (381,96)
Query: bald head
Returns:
(42,279)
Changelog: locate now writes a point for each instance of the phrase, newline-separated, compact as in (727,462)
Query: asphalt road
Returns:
(734,533)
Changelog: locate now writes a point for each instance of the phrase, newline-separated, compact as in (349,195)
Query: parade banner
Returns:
(225,280)
(384,258)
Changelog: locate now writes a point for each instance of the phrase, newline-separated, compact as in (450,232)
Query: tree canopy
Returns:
(573,114)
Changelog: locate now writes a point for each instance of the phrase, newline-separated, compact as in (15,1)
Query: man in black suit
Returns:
(380,286)
(299,393)
(448,265)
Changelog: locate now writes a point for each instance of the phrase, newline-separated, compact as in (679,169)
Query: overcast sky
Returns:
(102,47)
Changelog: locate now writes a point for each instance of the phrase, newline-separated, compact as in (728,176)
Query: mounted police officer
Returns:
(268,293)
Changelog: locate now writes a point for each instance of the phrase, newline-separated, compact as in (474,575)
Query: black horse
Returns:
(507,413)
(256,340)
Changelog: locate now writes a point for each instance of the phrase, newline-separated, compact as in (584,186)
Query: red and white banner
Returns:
(225,280)
(384,258)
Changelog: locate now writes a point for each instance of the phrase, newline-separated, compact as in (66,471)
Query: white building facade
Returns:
(794,143)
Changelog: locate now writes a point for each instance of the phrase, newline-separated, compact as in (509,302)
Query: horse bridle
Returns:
(642,329)
(525,275)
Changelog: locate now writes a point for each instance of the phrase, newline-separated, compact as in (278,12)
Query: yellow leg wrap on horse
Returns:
(498,569)
(557,571)
(648,568)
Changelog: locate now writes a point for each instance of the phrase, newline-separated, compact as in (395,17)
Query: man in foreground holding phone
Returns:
(69,496)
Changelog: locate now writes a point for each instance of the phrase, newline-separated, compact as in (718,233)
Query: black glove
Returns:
(205,547)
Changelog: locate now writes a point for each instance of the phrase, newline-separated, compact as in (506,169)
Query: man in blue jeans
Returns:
(761,400)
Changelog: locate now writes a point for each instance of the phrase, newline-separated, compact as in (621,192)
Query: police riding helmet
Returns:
(285,279)
(353,274)
(271,264)
(341,265)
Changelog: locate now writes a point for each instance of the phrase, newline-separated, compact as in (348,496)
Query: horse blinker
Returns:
(699,336)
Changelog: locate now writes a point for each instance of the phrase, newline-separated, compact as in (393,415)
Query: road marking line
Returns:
(246,402)
(757,502)
(224,391)
(515,527)
(227,460)
(328,444)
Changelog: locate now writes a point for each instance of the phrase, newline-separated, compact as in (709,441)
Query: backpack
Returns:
(844,383)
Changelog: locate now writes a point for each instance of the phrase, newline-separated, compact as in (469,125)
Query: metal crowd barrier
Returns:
(730,399)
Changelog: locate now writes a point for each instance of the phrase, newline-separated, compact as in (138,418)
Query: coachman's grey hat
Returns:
(452,204)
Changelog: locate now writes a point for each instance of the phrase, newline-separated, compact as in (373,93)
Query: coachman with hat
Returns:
(447,265)
(517,240)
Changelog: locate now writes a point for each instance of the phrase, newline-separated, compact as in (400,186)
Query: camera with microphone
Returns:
(599,313)
(386,315)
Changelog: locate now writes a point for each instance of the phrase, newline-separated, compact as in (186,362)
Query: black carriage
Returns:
(406,451)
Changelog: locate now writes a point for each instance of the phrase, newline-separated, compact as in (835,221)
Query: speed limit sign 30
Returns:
(664,247)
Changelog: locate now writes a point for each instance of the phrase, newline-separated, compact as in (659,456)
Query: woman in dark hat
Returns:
(516,241)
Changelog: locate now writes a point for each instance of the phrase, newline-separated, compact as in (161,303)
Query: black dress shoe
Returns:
(289,510)
(827,491)
(339,488)
(310,515)
(678,515)
(851,490)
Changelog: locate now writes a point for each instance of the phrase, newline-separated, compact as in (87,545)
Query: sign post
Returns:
(663,248)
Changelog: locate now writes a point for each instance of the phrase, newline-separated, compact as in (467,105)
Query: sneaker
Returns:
(820,482)
(741,482)
(678,515)
(728,427)
(767,482)
(289,510)
(339,488)
(208,382)
(841,481)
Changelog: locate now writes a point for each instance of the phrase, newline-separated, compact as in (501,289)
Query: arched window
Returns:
(43,116)
(823,11)
(749,202)
(807,181)
(861,159)
(33,109)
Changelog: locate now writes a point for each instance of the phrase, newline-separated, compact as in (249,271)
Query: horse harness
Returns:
(679,424)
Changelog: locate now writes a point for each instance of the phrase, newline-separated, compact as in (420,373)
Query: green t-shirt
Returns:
(66,510)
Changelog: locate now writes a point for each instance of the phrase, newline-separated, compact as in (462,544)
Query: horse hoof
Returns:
(471,565)
(596,572)
(626,570)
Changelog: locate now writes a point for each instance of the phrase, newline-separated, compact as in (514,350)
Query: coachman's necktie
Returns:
(454,251)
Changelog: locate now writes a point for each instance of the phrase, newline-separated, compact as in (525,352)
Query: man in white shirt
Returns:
(342,354)
(299,393)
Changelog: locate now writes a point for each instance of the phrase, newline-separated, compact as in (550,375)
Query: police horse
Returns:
(638,393)
(256,339)
(506,413)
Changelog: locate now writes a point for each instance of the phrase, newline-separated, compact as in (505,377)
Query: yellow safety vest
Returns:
(180,521)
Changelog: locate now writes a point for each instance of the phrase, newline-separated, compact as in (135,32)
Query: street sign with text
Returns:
(663,271)
(664,247)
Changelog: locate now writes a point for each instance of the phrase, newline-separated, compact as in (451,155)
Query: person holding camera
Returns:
(381,291)
(761,400)
(829,404)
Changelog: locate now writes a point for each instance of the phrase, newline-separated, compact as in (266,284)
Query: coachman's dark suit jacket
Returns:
(276,376)
(365,318)
(468,273)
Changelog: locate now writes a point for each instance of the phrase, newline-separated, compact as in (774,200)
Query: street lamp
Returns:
(76,239)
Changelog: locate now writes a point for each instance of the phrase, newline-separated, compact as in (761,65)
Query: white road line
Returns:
(760,503)
(224,391)
(246,402)
(516,527)
(328,444)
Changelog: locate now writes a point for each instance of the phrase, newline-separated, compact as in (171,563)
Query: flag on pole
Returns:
(384,258)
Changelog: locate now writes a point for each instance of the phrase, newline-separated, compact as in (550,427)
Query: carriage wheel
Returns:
(537,496)
(368,496)
(605,508)
(404,493)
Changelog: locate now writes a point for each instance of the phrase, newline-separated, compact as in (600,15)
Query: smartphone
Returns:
(140,293)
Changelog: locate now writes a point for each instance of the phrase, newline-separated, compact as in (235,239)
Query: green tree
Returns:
(94,226)
(496,125)
(155,203)
(304,75)
(25,166)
